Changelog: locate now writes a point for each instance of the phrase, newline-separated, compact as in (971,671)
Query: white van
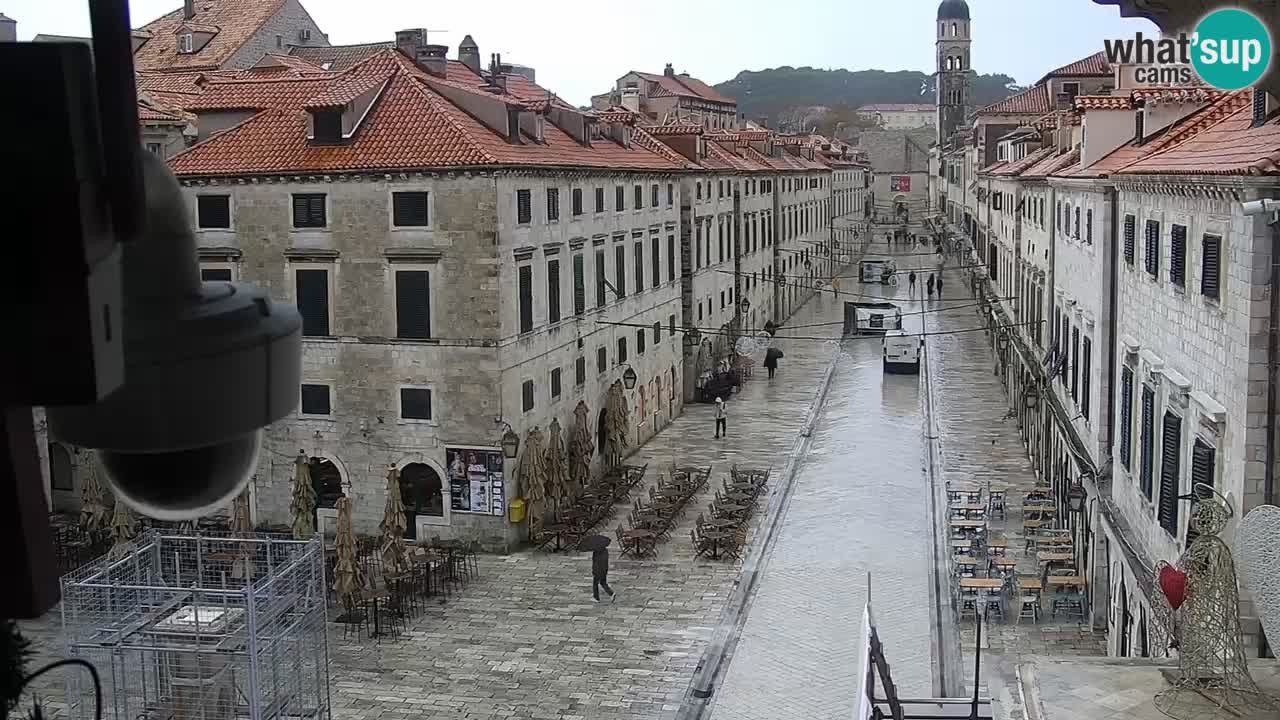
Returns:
(901,352)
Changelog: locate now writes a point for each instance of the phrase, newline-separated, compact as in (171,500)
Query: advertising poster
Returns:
(899,183)
(475,481)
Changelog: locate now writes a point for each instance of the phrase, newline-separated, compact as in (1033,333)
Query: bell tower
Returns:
(954,77)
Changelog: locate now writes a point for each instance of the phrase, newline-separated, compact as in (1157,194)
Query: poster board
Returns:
(476,480)
(900,183)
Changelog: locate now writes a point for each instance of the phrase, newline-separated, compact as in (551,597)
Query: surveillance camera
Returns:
(1261,207)
(207,366)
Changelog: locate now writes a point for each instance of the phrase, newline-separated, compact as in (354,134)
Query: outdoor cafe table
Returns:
(730,508)
(961,544)
(998,542)
(638,538)
(740,497)
(557,529)
(1067,580)
(965,560)
(715,536)
(670,492)
(1052,557)
(1030,583)
(969,524)
(1031,524)
(722,522)
(981,583)
(1004,565)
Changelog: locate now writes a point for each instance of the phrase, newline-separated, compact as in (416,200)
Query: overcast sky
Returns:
(580,49)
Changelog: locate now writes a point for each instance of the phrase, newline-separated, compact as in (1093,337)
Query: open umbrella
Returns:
(348,580)
(555,465)
(124,528)
(395,558)
(303,505)
(592,543)
(94,513)
(582,446)
(242,526)
(531,473)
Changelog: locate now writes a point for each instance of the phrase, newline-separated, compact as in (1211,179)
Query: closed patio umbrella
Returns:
(303,505)
(617,423)
(124,527)
(348,579)
(583,446)
(395,558)
(555,465)
(531,473)
(242,526)
(94,512)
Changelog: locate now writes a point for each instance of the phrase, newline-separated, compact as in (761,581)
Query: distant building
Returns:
(899,172)
(900,116)
(671,98)
(228,34)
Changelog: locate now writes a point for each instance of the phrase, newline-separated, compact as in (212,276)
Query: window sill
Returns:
(418,422)
(306,416)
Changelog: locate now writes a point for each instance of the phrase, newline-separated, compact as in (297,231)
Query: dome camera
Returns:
(207,366)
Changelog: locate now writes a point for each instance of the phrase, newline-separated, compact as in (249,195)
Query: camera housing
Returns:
(206,367)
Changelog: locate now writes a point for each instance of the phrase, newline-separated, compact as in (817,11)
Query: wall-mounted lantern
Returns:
(629,378)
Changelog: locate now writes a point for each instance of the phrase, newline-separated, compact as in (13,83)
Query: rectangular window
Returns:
(671,258)
(697,246)
(721,252)
(315,400)
(671,326)
(619,198)
(579,286)
(1147,441)
(698,190)
(313,301)
(622,350)
(415,403)
(1086,369)
(1170,472)
(526,396)
(599,200)
(309,210)
(413,304)
(653,195)
(526,298)
(1178,255)
(1088,227)
(1126,417)
(655,251)
(1129,230)
(1204,469)
(637,193)
(577,201)
(600,279)
(524,207)
(213,212)
(638,251)
(409,209)
(602,360)
(1210,264)
(1075,363)
(657,333)
(1076,234)
(671,194)
(1151,249)
(1064,348)
(620,271)
(215,274)
(580,371)
(555,383)
(553,291)
(553,204)
(640,341)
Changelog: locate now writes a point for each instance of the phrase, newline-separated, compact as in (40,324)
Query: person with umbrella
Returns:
(929,285)
(771,357)
(598,546)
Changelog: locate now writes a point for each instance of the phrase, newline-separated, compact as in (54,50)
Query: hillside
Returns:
(777,91)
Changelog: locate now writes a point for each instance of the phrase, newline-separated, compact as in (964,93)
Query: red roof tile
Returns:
(1103,102)
(235,21)
(1051,164)
(1230,147)
(1032,101)
(340,93)
(1017,167)
(1095,65)
(1177,94)
(273,60)
(674,129)
(684,86)
(339,57)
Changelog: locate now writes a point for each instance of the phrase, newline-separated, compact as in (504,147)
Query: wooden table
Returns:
(740,497)
(961,544)
(1030,583)
(1067,580)
(715,536)
(981,583)
(969,524)
(730,508)
(964,560)
(1049,557)
(1031,524)
(638,537)
(556,529)
(968,507)
(998,543)
(1005,565)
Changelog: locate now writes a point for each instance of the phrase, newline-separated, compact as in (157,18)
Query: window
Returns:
(309,210)
(409,209)
(1170,472)
(155,149)
(655,251)
(1076,234)
(526,396)
(721,299)
(526,298)
(1129,231)
(600,279)
(638,252)
(524,207)
(577,202)
(622,350)
(1088,226)
(599,200)
(1151,249)
(657,332)
(1178,255)
(1064,347)
(1146,450)
(1126,417)
(579,286)
(1204,468)
(620,271)
(602,359)
(213,212)
(640,341)
(671,194)
(315,400)
(215,274)
(721,233)
(555,383)
(671,258)
(1210,264)
(697,246)
(413,304)
(312,288)
(653,195)
(638,193)
(1086,368)
(553,204)
(185,44)
(720,191)
(619,198)
(580,371)
(553,291)
(415,404)
(1075,363)
(699,190)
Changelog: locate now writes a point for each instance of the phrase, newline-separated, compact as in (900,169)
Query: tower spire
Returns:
(953,81)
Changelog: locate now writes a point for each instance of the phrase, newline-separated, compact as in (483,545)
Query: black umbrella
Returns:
(773,354)
(592,543)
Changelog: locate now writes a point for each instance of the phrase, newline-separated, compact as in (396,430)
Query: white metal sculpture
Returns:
(1258,552)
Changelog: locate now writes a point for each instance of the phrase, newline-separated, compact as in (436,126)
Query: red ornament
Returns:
(1173,582)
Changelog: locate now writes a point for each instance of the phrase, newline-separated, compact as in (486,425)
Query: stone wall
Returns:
(286,23)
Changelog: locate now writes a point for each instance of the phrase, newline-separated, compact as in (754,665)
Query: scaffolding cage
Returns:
(200,627)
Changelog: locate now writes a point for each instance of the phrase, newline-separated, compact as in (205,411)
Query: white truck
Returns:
(871,318)
(901,352)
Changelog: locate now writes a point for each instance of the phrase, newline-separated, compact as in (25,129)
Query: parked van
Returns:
(902,352)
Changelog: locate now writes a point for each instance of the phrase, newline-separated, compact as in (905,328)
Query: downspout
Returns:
(1113,292)
(1273,351)
(1047,460)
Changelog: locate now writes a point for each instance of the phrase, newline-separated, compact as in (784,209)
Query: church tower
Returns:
(954,79)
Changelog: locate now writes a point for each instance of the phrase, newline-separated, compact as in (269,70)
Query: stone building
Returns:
(900,116)
(670,98)
(953,80)
(223,35)
(899,172)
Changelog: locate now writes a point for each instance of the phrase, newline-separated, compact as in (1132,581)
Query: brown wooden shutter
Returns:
(1170,472)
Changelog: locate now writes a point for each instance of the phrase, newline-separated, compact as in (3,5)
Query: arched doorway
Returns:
(602,433)
(422,492)
(326,480)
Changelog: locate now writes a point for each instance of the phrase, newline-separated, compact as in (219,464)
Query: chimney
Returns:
(469,54)
(188,9)
(434,59)
(409,41)
(669,71)
(631,98)
(497,81)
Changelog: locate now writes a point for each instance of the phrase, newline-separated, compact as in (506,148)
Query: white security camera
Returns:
(1261,207)
(207,366)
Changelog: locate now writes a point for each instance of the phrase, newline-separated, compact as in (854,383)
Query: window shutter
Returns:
(580,371)
(619,199)
(415,403)
(1063,348)
(671,258)
(313,301)
(413,304)
(620,271)
(602,360)
(600,279)
(526,298)
(215,274)
(579,286)
(526,395)
(577,201)
(655,247)
(1129,231)
(1126,417)
(1077,231)
(638,251)
(1210,266)
(1203,469)
(524,207)
(1088,227)
(555,382)
(308,211)
(1086,363)
(315,400)
(1151,257)
(553,291)
(1075,363)
(1178,255)
(553,204)
(409,209)
(1170,472)
(214,211)
(599,200)
(1147,450)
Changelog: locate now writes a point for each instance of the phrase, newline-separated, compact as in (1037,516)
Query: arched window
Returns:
(953,29)
(948,62)
(422,492)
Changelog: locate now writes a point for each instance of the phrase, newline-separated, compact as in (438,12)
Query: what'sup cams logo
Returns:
(1230,49)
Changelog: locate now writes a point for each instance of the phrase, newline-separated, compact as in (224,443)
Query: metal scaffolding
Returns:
(201,627)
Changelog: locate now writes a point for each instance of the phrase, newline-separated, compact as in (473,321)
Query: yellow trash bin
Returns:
(517,511)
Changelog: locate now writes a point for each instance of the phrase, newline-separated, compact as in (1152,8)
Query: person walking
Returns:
(911,283)
(929,285)
(600,574)
(722,418)
(939,284)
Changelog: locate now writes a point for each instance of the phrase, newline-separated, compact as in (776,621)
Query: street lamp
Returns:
(807,264)
(745,305)
(1075,496)
(629,378)
(510,440)
(694,335)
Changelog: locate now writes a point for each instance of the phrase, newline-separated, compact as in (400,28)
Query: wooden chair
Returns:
(622,541)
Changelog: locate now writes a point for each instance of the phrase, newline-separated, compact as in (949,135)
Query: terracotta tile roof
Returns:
(1051,164)
(616,114)
(1177,94)
(411,126)
(152,112)
(684,86)
(340,93)
(189,82)
(235,20)
(1230,147)
(1103,102)
(674,129)
(197,27)
(641,137)
(272,61)
(1032,101)
(993,167)
(339,57)
(1017,167)
(1095,65)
